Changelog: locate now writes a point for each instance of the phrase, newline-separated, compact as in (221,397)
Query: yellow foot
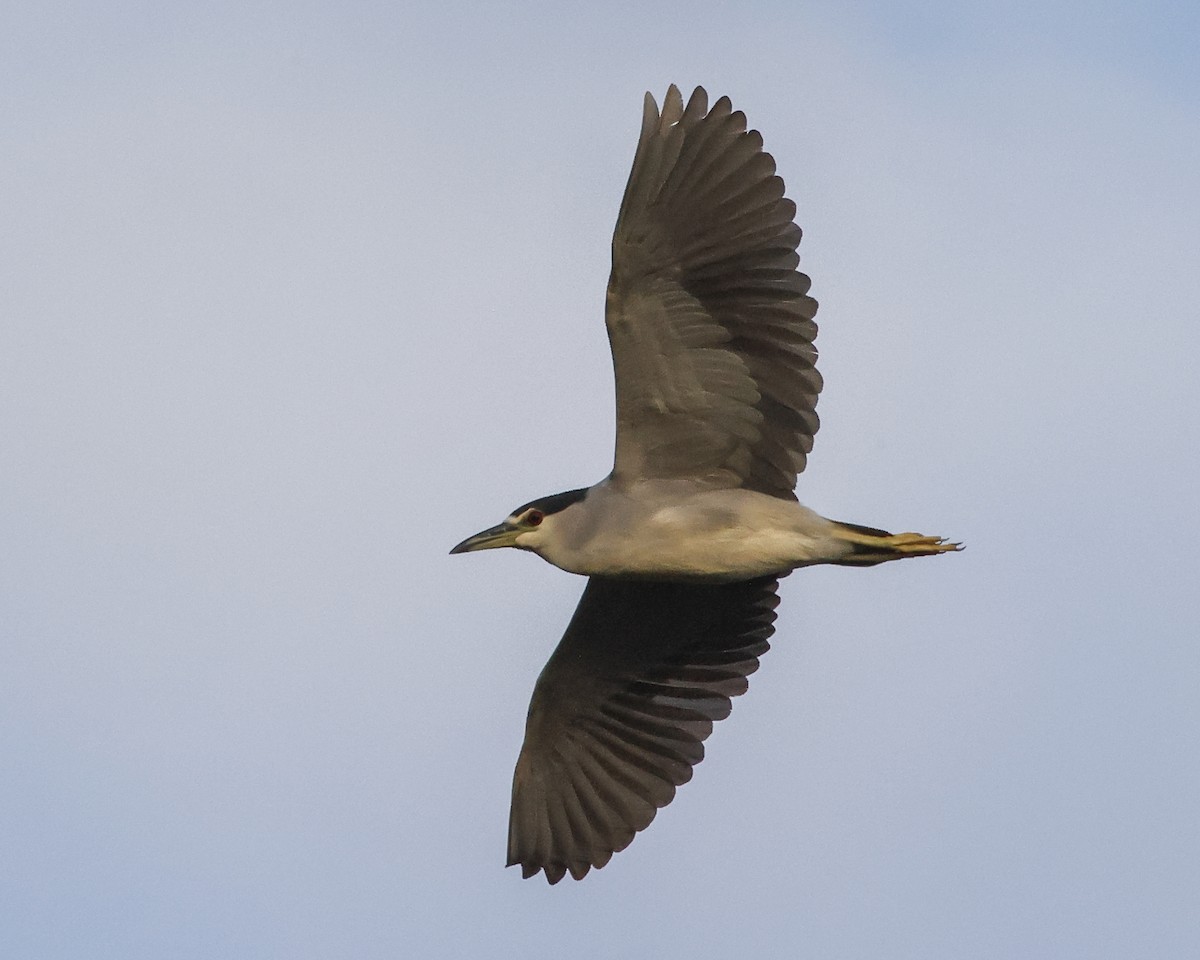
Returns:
(870,546)
(916,545)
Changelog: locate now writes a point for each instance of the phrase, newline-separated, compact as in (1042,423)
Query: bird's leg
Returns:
(869,546)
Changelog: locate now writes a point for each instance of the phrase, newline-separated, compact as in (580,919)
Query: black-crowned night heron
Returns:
(684,542)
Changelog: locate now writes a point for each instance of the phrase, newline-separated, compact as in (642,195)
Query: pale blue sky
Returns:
(294,297)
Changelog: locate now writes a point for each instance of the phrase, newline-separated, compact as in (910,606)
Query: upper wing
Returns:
(620,711)
(711,331)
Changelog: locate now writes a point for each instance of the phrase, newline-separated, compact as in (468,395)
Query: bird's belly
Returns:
(671,548)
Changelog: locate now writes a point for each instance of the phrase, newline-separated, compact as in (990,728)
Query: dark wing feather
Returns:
(709,322)
(621,710)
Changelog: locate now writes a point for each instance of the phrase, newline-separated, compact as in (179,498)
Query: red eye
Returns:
(534,517)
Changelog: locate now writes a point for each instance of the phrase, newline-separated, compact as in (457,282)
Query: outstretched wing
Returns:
(710,326)
(621,710)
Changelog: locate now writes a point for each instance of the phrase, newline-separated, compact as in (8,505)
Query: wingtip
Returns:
(554,871)
(672,106)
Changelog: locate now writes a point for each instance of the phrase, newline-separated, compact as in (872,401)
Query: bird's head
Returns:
(527,528)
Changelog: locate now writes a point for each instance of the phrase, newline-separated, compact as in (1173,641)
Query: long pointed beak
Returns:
(501,535)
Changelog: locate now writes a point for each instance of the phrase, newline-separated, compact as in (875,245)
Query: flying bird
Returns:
(684,542)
